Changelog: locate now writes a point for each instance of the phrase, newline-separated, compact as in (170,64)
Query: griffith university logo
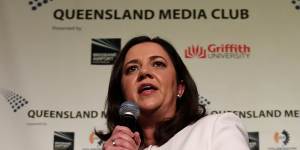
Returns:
(218,51)
(282,137)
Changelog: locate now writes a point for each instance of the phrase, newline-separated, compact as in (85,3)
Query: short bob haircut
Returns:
(188,108)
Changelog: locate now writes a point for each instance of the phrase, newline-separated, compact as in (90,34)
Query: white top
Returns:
(213,132)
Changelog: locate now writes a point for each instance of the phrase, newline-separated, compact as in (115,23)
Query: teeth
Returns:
(147,87)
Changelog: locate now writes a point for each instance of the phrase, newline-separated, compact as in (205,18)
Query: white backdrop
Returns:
(46,70)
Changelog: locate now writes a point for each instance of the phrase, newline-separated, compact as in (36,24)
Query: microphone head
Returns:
(129,108)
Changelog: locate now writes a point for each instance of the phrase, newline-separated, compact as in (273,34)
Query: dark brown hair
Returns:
(188,108)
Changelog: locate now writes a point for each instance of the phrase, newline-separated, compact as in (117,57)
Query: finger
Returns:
(124,137)
(124,129)
(122,133)
(121,143)
(109,146)
(137,138)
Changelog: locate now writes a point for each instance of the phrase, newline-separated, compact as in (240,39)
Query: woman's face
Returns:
(149,79)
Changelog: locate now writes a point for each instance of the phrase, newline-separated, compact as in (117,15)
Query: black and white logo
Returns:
(104,51)
(253,140)
(63,141)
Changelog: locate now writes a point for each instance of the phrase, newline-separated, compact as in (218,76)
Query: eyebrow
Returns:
(133,61)
(136,61)
(154,57)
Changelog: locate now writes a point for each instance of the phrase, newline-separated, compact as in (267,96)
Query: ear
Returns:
(180,89)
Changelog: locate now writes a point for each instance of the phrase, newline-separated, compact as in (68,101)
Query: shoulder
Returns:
(212,132)
(225,130)
(222,122)
(219,119)
(214,122)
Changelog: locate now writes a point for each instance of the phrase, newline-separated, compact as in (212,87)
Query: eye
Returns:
(159,64)
(131,69)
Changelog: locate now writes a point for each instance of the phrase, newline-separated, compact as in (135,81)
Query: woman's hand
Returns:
(123,139)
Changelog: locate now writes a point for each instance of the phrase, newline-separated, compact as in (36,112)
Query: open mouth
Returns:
(146,87)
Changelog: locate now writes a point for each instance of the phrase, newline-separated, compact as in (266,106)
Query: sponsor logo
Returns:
(92,138)
(195,51)
(253,140)
(63,141)
(203,101)
(94,141)
(218,51)
(104,51)
(35,4)
(296,4)
(283,141)
(282,137)
(16,101)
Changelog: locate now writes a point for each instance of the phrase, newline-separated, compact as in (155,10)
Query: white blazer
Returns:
(213,132)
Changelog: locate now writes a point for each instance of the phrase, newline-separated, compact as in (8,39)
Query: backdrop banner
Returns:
(56,57)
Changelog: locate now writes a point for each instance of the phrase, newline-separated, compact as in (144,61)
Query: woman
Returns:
(150,73)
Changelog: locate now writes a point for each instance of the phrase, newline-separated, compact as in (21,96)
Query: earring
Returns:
(178,96)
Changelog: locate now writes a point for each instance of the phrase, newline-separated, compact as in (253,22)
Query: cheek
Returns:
(127,86)
(169,81)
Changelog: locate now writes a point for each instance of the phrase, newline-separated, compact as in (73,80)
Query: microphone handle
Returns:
(129,121)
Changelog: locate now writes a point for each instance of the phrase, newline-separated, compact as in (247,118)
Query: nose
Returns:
(144,73)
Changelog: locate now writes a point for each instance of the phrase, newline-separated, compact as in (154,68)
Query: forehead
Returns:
(144,50)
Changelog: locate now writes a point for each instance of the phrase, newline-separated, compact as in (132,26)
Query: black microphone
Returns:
(129,113)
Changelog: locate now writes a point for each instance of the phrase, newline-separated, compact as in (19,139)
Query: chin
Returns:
(148,107)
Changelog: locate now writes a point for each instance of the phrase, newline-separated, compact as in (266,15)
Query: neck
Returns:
(148,124)
(149,136)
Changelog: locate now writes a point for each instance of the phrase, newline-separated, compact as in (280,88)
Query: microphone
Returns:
(129,113)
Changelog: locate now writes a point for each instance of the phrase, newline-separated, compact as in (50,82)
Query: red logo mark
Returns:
(193,51)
